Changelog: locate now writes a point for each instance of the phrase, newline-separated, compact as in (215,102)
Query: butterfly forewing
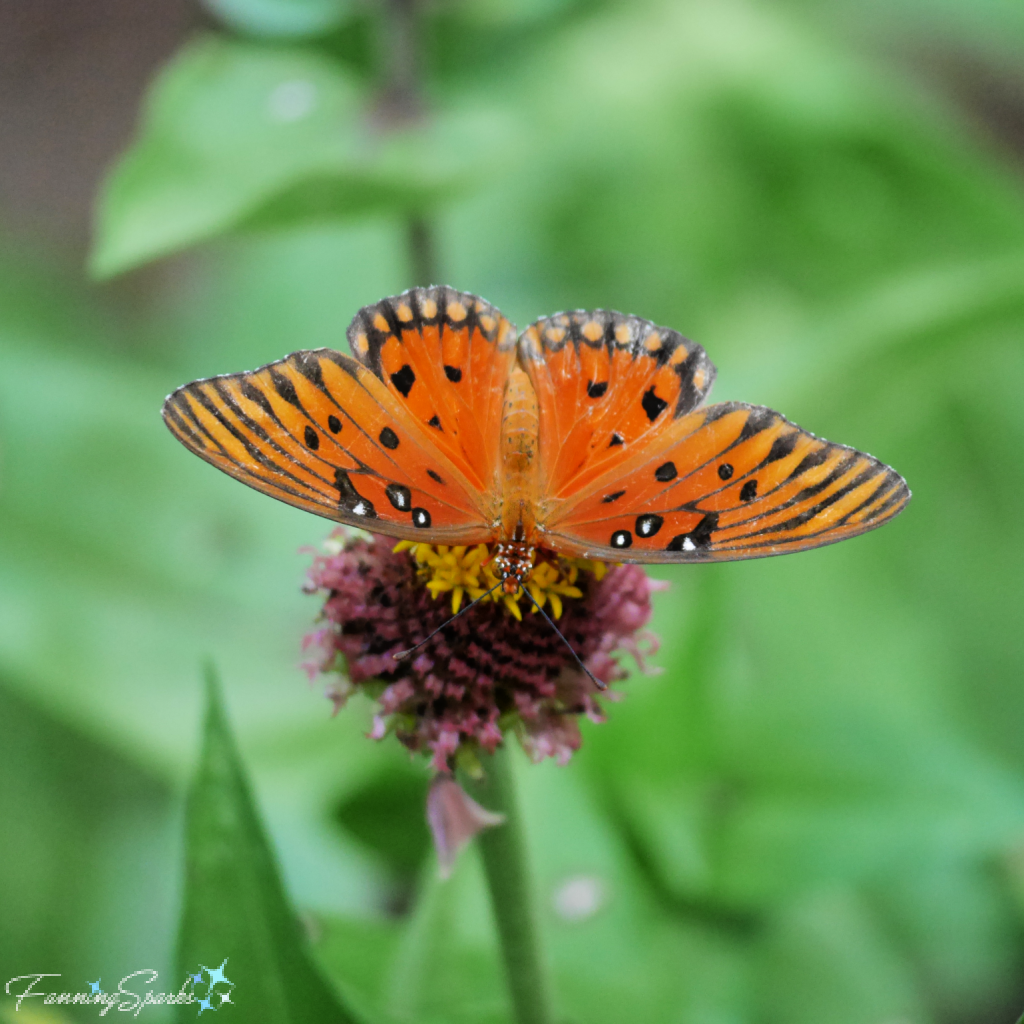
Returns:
(605,384)
(446,355)
(321,432)
(727,482)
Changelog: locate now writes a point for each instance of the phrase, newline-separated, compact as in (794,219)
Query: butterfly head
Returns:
(513,563)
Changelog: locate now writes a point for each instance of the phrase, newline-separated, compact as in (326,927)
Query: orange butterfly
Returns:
(583,435)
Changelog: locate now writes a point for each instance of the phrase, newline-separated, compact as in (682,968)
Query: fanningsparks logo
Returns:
(132,994)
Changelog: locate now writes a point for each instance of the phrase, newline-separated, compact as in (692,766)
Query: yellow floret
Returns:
(462,571)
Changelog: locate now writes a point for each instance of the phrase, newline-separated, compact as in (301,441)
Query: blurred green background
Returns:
(816,813)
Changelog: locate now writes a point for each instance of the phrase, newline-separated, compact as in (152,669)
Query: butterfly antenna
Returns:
(597,682)
(399,655)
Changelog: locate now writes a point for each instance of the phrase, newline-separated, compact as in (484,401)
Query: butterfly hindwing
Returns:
(446,355)
(320,431)
(728,482)
(605,384)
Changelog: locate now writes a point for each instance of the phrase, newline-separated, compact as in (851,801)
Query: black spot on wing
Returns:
(350,499)
(399,496)
(435,476)
(616,440)
(622,539)
(421,518)
(648,525)
(453,373)
(311,438)
(333,423)
(608,498)
(724,471)
(653,405)
(404,379)
(389,438)
(665,472)
(698,538)
(434,422)
(748,492)
(595,389)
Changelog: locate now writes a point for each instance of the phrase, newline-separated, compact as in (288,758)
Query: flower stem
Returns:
(512,895)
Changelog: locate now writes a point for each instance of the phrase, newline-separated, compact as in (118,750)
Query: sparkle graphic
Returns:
(205,1004)
(95,986)
(217,975)
(225,997)
(197,978)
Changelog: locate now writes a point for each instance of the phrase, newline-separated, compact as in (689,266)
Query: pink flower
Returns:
(485,673)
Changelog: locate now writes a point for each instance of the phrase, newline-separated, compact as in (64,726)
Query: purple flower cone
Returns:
(486,672)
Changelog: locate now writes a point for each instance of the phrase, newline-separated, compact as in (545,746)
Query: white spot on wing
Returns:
(688,545)
(359,509)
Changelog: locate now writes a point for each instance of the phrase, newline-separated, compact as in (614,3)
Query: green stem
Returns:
(512,895)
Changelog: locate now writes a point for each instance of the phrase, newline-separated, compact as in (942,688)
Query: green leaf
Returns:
(281,18)
(241,134)
(235,906)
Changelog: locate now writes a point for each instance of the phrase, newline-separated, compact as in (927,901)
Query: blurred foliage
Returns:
(816,814)
(234,901)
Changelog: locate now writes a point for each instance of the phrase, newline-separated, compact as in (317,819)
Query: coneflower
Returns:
(497,669)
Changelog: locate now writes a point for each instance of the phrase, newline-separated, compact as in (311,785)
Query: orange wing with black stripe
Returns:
(390,442)
(649,477)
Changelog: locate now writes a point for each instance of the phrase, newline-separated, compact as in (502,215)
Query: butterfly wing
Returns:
(446,357)
(725,482)
(320,431)
(606,383)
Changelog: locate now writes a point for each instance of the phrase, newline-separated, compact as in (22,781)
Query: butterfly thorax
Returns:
(519,432)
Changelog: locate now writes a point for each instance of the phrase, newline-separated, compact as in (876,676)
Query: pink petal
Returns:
(454,818)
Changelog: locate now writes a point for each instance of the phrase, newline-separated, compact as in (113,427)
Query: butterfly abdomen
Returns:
(520,423)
